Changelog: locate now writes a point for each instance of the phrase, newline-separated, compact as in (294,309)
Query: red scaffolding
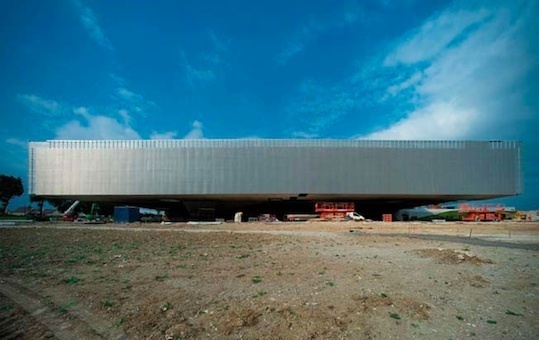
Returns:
(330,210)
(482,213)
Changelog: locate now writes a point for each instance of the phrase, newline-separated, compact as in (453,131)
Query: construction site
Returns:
(280,239)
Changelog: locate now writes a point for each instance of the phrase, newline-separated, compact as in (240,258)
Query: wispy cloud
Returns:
(95,127)
(204,68)
(134,102)
(91,24)
(435,35)
(314,27)
(17,142)
(292,48)
(128,95)
(163,135)
(40,105)
(203,73)
(219,44)
(471,69)
(120,81)
(452,78)
(318,107)
(196,131)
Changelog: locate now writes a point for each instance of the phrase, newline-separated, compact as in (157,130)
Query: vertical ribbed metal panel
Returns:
(203,167)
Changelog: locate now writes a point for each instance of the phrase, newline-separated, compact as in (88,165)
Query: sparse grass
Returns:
(121,322)
(72,280)
(174,249)
(64,308)
(330,283)
(76,259)
(161,278)
(243,256)
(508,312)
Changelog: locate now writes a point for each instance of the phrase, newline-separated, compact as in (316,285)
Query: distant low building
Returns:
(22,211)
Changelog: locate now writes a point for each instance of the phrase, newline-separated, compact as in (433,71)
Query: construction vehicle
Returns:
(69,214)
(93,217)
(341,210)
(483,213)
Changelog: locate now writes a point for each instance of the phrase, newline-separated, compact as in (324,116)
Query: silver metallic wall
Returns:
(217,167)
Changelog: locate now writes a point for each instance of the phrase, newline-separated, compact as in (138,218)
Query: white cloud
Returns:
(163,135)
(196,131)
(413,80)
(128,95)
(17,142)
(438,121)
(40,105)
(91,24)
(134,102)
(435,35)
(82,111)
(125,116)
(304,135)
(95,127)
(472,88)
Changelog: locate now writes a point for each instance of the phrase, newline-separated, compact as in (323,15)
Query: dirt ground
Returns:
(281,281)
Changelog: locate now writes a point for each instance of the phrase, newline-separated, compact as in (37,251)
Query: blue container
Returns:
(126,214)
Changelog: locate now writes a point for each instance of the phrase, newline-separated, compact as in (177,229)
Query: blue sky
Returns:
(96,69)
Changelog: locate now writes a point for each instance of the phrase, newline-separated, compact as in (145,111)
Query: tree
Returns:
(40,201)
(9,187)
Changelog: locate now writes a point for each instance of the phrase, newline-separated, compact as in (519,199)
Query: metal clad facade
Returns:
(217,167)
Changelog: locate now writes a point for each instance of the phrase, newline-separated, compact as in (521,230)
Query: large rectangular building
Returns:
(265,170)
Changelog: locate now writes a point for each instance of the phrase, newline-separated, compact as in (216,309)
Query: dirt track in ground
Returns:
(297,280)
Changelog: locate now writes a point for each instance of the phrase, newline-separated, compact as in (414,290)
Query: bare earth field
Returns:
(317,280)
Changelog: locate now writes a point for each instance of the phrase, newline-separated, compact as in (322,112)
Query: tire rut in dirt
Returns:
(34,319)
(16,323)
